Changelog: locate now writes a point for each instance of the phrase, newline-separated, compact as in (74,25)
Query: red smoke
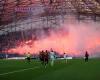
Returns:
(72,38)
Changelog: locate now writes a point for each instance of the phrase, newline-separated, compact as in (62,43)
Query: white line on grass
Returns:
(18,71)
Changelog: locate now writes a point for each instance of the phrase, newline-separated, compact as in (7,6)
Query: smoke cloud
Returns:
(73,37)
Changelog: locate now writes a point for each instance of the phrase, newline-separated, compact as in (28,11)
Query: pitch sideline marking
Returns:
(18,71)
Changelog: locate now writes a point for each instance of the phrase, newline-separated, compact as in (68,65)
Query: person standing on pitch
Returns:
(86,56)
(65,57)
(28,57)
(6,56)
(52,57)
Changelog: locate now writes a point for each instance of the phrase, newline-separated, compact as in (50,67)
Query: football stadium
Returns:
(49,39)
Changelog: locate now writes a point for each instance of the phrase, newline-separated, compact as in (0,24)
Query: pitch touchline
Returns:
(18,71)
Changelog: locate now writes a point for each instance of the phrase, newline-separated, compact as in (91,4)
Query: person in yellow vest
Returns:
(28,57)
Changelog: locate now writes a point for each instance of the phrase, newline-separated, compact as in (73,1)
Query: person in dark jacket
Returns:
(86,56)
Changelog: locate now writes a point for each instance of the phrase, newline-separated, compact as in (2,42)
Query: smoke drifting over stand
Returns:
(73,37)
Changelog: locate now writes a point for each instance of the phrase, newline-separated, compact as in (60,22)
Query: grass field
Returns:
(75,69)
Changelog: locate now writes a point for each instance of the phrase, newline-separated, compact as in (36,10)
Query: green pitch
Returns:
(75,69)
